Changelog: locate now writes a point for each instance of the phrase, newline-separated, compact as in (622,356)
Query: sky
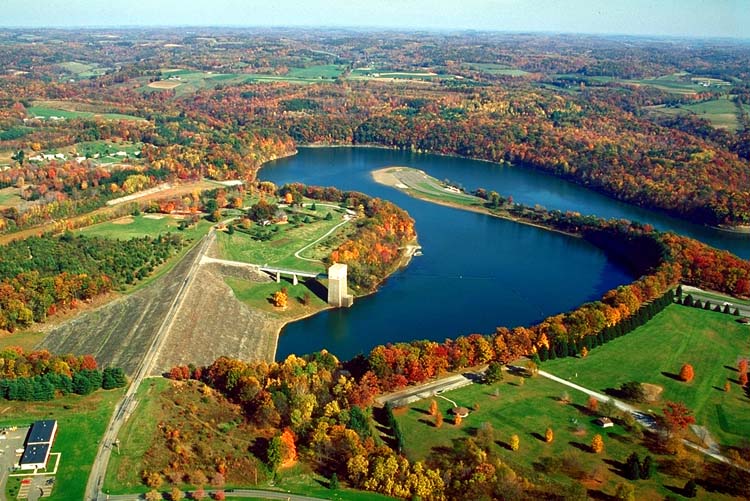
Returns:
(694,18)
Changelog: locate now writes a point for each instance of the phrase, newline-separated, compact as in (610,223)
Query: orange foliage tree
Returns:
(687,373)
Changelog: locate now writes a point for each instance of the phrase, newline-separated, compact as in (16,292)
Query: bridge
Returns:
(274,271)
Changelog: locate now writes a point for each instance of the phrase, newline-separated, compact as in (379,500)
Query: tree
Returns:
(515,442)
(677,417)
(438,419)
(220,496)
(646,468)
(691,489)
(494,372)
(457,420)
(743,379)
(333,484)
(280,298)
(549,435)
(288,447)
(625,492)
(486,435)
(274,453)
(153,495)
(176,494)
(584,352)
(153,479)
(597,444)
(633,467)
(687,373)
(199,493)
(727,386)
(433,407)
(592,405)
(633,391)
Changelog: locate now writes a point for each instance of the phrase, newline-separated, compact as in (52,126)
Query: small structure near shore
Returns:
(338,292)
(461,412)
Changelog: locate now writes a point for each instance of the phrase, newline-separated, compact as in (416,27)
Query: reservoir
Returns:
(476,272)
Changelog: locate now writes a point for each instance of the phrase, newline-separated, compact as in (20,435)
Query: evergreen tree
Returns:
(633,467)
(333,484)
(646,468)
(691,489)
(543,354)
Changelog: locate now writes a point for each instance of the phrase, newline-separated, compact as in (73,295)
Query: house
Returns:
(604,422)
(38,445)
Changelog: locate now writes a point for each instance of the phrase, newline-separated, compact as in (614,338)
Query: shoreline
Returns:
(382,176)
(739,229)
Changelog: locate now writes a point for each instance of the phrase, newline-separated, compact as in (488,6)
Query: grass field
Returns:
(279,251)
(81,422)
(527,410)
(418,184)
(145,225)
(711,342)
(47,112)
(256,295)
(83,70)
(26,340)
(106,151)
(721,113)
(498,69)
(9,197)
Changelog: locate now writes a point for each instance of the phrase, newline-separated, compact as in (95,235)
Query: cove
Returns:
(476,272)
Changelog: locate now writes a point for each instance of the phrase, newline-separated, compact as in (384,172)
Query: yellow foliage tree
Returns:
(280,299)
(433,408)
(597,444)
(457,420)
(549,435)
(584,352)
(515,442)
(438,419)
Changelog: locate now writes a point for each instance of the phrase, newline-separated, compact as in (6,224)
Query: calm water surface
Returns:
(476,272)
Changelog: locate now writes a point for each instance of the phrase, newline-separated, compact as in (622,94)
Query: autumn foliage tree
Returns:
(677,417)
(438,419)
(433,408)
(549,435)
(592,405)
(280,298)
(597,444)
(515,442)
(686,373)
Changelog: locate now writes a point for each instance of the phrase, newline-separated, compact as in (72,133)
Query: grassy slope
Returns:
(144,226)
(81,422)
(708,341)
(279,251)
(45,112)
(256,295)
(527,411)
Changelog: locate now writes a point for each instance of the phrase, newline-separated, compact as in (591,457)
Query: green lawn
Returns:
(46,112)
(144,225)
(498,69)
(105,149)
(527,410)
(9,197)
(81,423)
(123,472)
(256,295)
(26,340)
(722,113)
(655,352)
(288,239)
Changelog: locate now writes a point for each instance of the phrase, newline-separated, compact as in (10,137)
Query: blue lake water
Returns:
(476,272)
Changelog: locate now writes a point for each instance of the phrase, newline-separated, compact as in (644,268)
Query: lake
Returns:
(476,272)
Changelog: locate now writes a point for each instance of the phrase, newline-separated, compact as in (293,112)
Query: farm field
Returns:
(145,225)
(81,421)
(654,353)
(83,70)
(69,110)
(498,69)
(527,410)
(9,197)
(722,113)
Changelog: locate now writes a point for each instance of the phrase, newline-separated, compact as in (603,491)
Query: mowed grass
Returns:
(136,436)
(527,410)
(81,423)
(47,112)
(25,340)
(288,239)
(9,197)
(145,225)
(654,353)
(257,295)
(498,69)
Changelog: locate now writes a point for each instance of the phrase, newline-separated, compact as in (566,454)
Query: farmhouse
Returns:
(38,445)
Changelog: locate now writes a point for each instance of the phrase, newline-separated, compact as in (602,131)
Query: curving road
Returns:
(125,408)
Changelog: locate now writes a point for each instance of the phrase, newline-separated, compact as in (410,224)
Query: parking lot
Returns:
(10,442)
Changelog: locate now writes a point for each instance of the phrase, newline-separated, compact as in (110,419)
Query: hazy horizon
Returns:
(666,18)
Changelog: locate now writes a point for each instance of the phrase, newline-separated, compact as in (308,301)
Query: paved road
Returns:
(236,493)
(125,408)
(712,298)
(414,393)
